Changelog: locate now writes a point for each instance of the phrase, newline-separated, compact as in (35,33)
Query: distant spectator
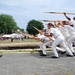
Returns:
(22,38)
(2,38)
(12,39)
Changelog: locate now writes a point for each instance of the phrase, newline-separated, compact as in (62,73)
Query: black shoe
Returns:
(40,51)
(1,55)
(74,53)
(63,52)
(69,55)
(58,51)
(54,57)
(43,55)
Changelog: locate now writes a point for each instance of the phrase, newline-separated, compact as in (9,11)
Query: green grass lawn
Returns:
(18,41)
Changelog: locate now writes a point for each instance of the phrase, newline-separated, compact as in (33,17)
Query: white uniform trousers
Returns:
(49,44)
(70,41)
(66,38)
(60,40)
(43,46)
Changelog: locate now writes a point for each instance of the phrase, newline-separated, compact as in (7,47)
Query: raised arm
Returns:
(55,25)
(66,16)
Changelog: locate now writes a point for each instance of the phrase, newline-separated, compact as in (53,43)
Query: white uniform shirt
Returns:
(48,31)
(55,32)
(70,30)
(64,31)
(42,37)
(72,22)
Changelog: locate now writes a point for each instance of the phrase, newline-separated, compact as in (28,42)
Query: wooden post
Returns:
(53,20)
(72,13)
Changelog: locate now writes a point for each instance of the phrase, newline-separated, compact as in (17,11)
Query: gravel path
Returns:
(34,64)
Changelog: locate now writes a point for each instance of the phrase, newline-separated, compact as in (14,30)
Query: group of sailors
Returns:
(60,37)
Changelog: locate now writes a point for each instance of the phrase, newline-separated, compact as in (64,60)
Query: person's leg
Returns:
(40,44)
(44,46)
(60,49)
(54,44)
(71,39)
(43,49)
(49,43)
(66,48)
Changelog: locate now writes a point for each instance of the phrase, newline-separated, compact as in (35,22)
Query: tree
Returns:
(22,30)
(30,29)
(7,24)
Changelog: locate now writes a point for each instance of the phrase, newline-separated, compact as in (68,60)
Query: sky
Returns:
(25,10)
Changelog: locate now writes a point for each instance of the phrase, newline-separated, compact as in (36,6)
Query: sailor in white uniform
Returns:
(59,39)
(71,21)
(46,41)
(63,30)
(59,49)
(71,39)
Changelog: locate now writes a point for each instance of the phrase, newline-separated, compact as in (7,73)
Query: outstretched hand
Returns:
(64,13)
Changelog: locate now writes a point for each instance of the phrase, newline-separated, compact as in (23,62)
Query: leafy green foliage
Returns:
(7,24)
(33,23)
